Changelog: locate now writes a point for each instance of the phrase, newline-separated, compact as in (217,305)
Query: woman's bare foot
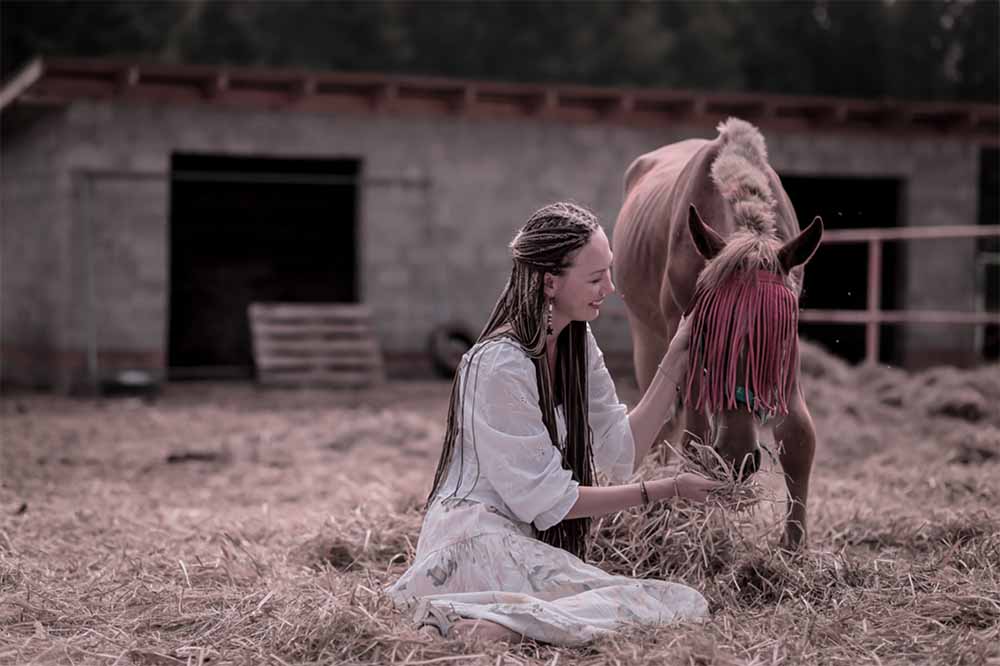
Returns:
(485,630)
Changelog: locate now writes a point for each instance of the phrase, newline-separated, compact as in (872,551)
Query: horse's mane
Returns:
(743,300)
(739,174)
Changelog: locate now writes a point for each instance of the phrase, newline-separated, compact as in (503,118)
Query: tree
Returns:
(917,49)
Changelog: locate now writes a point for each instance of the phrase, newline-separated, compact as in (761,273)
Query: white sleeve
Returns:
(614,447)
(515,450)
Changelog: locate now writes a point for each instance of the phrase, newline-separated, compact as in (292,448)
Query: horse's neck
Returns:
(697,187)
(656,186)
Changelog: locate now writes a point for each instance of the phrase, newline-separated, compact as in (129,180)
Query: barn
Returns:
(145,206)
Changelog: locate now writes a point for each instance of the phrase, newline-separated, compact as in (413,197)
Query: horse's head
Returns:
(743,361)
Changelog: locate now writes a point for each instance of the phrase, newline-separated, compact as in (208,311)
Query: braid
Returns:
(547,243)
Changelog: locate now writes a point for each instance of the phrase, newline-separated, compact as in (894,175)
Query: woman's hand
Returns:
(695,488)
(674,362)
(682,337)
(687,486)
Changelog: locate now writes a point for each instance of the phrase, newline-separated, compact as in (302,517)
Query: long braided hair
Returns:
(547,243)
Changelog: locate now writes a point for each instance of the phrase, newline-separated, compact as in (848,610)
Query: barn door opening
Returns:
(251,229)
(837,276)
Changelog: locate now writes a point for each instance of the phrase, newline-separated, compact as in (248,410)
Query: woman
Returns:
(533,416)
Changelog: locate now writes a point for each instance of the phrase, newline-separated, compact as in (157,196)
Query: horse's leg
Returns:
(795,436)
(648,349)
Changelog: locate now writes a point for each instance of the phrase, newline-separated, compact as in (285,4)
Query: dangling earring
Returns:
(548,327)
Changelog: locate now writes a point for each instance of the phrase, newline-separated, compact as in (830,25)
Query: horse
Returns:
(706,229)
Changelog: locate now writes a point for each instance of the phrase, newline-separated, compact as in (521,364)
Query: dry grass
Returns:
(677,540)
(270,537)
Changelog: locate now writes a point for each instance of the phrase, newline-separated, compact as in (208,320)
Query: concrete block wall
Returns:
(119,265)
(35,211)
(440,200)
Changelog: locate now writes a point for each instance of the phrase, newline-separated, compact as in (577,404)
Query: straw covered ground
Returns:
(223,524)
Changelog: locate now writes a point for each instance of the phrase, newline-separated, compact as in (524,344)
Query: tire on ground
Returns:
(446,344)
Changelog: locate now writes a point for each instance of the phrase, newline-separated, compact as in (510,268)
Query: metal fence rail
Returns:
(873,315)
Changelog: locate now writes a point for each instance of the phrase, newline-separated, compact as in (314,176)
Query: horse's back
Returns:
(662,165)
(650,184)
(654,184)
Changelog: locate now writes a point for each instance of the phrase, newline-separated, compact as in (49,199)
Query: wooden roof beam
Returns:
(813,112)
(672,106)
(21,82)
(876,114)
(304,87)
(945,119)
(528,101)
(988,121)
(602,103)
(467,101)
(63,80)
(127,78)
(217,85)
(385,97)
(744,108)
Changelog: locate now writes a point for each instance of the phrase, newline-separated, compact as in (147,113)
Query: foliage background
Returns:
(911,49)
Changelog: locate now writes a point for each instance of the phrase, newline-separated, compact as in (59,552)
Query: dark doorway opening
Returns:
(988,255)
(253,229)
(837,276)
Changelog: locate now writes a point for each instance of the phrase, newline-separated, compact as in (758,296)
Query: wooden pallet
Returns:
(315,344)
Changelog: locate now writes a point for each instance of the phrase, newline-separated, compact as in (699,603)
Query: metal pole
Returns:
(874,300)
(89,284)
(984,260)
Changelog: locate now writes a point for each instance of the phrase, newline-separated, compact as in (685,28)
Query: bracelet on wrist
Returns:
(661,371)
(644,493)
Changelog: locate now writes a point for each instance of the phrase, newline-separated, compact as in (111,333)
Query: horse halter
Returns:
(744,396)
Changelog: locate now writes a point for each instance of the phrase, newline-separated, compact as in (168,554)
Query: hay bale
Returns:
(818,363)
(889,385)
(986,380)
(955,393)
(938,392)
(958,403)
(975,446)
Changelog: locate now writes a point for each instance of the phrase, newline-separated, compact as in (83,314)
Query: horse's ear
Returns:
(706,239)
(800,249)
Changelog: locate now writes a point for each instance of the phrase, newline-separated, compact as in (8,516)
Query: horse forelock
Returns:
(745,251)
(753,318)
(739,174)
(743,300)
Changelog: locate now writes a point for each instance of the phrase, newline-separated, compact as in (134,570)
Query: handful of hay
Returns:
(680,539)
(739,490)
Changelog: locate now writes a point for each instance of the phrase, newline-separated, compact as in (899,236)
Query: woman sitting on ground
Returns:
(533,416)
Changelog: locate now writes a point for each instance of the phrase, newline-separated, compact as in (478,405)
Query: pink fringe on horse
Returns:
(752,312)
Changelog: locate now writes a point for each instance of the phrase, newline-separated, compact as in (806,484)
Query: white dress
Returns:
(477,555)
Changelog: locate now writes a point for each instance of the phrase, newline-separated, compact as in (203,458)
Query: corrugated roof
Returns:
(61,81)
